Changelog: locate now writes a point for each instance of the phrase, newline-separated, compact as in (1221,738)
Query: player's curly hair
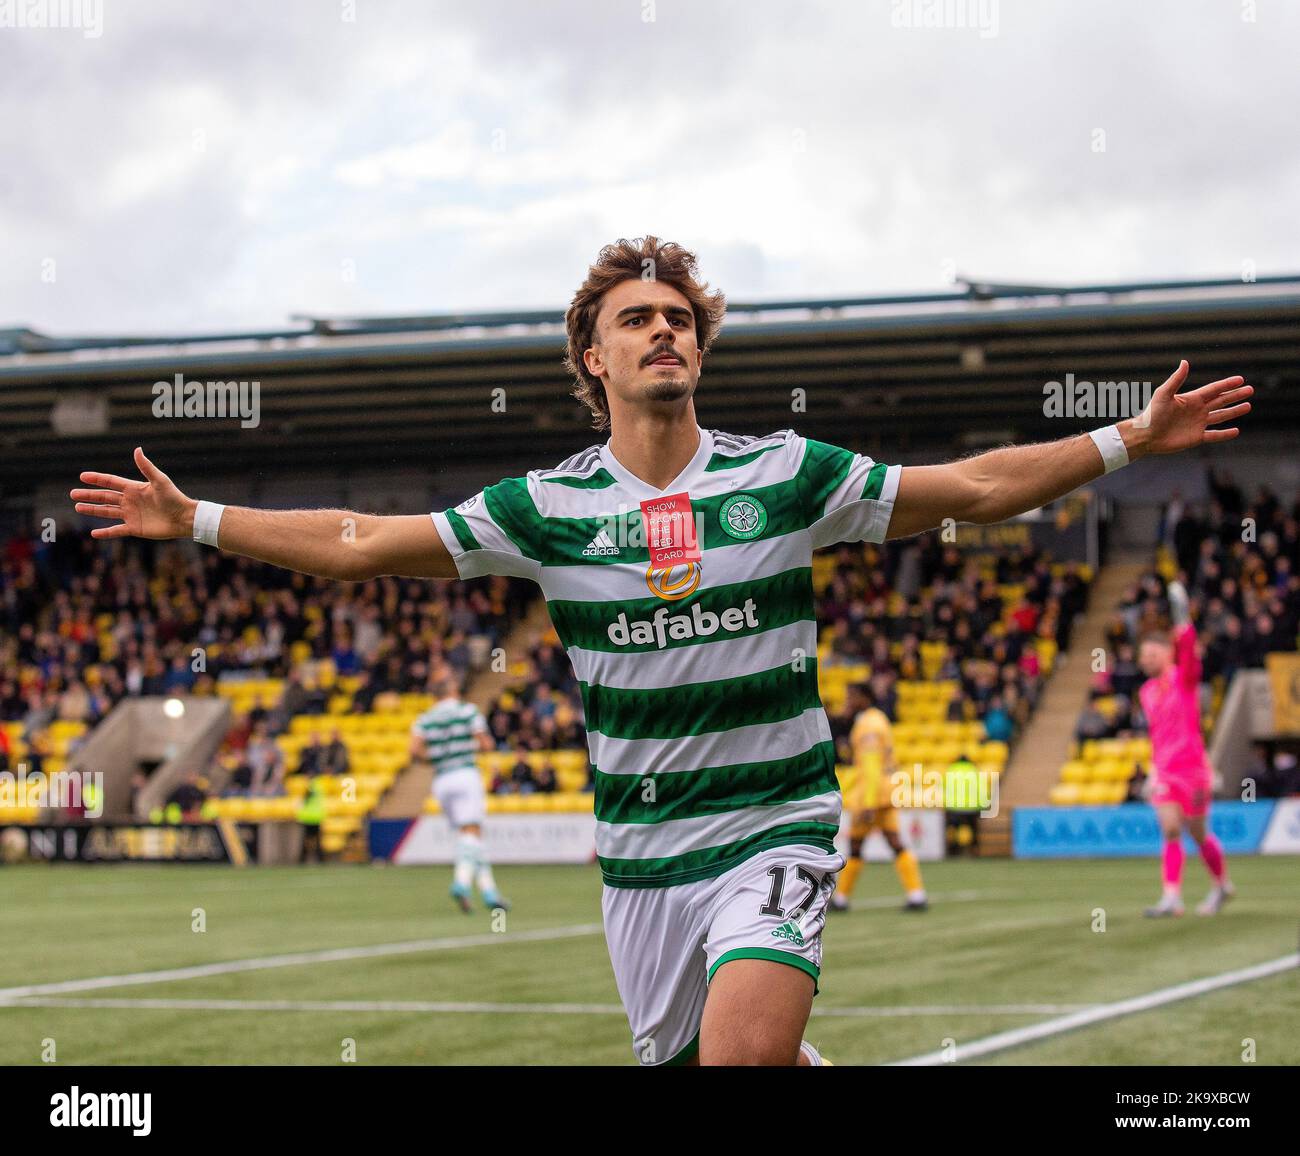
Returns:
(641,259)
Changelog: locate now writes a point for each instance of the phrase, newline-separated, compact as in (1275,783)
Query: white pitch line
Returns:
(343,1005)
(450,1007)
(949,897)
(201,971)
(1000,1009)
(331,955)
(1124,1007)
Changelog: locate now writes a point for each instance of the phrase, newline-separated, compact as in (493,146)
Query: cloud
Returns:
(217,165)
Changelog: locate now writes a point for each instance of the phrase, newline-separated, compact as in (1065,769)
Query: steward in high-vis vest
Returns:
(962,801)
(310,816)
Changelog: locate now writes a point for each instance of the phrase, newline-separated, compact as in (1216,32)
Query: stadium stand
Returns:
(88,624)
(1238,561)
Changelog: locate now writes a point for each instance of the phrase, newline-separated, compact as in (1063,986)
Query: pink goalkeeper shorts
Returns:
(1193,798)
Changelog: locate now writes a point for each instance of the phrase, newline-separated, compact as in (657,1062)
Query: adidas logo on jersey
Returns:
(789,931)
(699,623)
(600,546)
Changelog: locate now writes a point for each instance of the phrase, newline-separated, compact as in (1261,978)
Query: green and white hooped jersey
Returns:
(449,729)
(705,728)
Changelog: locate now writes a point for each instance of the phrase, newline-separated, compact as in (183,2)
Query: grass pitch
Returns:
(1005,945)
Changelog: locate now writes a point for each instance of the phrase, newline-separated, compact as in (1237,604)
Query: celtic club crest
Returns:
(743,516)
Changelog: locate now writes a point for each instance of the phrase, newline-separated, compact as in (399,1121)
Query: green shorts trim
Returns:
(767,953)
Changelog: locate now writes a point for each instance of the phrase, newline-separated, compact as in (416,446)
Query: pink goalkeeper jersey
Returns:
(1172,707)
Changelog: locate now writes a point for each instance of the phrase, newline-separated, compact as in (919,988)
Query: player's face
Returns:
(645,346)
(1153,658)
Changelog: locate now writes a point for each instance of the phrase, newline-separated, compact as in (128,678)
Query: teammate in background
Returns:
(871,804)
(676,565)
(448,734)
(1183,780)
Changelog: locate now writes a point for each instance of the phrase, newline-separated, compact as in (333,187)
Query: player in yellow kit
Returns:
(869,803)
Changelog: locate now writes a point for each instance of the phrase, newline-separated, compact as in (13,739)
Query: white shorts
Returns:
(461,797)
(666,942)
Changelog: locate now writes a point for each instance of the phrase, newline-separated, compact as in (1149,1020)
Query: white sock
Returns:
(814,1056)
(468,852)
(487,883)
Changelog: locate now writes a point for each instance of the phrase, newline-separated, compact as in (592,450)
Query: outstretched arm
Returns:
(339,544)
(1186,657)
(1005,482)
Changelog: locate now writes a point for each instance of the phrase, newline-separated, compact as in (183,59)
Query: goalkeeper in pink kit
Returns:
(1183,780)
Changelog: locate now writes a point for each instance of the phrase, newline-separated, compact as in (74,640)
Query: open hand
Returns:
(1175,421)
(154,508)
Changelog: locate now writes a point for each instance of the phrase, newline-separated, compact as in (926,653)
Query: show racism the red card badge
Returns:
(670,530)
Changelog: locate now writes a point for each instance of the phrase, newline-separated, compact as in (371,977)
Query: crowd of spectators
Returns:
(523,779)
(886,605)
(180,619)
(86,623)
(1239,562)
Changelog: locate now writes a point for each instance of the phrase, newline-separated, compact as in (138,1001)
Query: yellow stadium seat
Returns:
(1065,794)
(1075,772)
(1118,771)
(572,779)
(994,751)
(20,816)
(235,808)
(259,809)
(355,808)
(285,809)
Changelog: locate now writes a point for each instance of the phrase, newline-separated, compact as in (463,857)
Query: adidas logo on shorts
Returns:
(600,546)
(789,931)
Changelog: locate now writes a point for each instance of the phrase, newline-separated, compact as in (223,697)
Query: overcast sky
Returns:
(211,165)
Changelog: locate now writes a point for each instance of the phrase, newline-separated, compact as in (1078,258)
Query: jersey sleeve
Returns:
(847,496)
(1189,662)
(497,531)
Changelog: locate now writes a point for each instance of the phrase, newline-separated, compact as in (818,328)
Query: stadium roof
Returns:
(884,374)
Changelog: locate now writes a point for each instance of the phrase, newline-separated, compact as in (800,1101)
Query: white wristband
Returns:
(1111,444)
(207,520)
